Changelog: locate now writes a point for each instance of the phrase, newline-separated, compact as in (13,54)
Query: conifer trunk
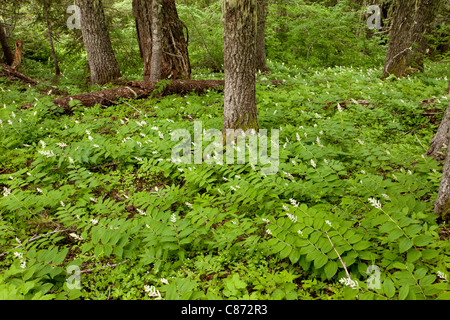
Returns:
(175,63)
(261,61)
(50,39)
(239,35)
(157,50)
(442,205)
(102,61)
(408,44)
(9,58)
(441,138)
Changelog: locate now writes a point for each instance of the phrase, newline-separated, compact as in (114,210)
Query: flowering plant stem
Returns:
(339,256)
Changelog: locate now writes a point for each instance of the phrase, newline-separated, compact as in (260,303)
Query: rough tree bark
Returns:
(441,137)
(157,50)
(50,39)
(175,57)
(102,61)
(5,46)
(408,44)
(239,35)
(142,14)
(261,61)
(442,205)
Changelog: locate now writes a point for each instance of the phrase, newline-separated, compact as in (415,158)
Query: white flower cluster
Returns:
(441,275)
(6,191)
(152,292)
(75,236)
(349,283)
(293,202)
(292,217)
(319,143)
(19,255)
(375,203)
(141,212)
(47,153)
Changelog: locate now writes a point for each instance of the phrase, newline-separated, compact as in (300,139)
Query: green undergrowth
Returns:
(98,190)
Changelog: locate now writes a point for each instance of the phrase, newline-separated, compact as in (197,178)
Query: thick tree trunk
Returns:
(441,137)
(9,58)
(261,62)
(239,35)
(102,62)
(50,39)
(142,12)
(157,50)
(442,205)
(175,62)
(408,44)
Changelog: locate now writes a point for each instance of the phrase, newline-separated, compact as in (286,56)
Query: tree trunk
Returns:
(441,137)
(5,46)
(142,14)
(261,63)
(408,44)
(175,63)
(239,35)
(157,50)
(442,205)
(102,62)
(50,39)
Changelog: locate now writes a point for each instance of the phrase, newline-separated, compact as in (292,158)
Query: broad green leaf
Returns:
(60,256)
(389,288)
(330,269)
(403,292)
(320,261)
(294,256)
(285,252)
(362,245)
(404,245)
(422,240)
(399,265)
(413,255)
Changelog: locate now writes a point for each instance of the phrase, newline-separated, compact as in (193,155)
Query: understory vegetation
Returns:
(348,215)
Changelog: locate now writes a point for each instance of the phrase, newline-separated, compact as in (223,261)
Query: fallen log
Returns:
(137,90)
(13,74)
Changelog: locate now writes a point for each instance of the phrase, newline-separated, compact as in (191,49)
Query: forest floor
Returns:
(348,214)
